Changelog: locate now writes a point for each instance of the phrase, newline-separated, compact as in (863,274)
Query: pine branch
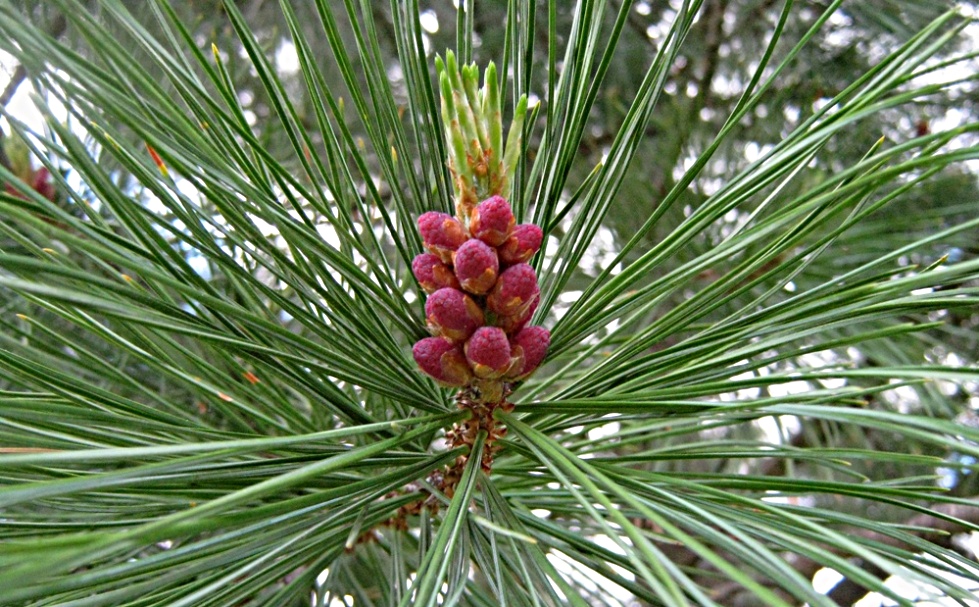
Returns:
(938,527)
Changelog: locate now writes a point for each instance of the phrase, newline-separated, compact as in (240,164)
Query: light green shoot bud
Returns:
(19,156)
(480,162)
(514,143)
(467,121)
(457,143)
(494,118)
(470,80)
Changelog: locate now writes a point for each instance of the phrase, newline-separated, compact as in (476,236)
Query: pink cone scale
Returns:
(442,234)
(514,291)
(476,266)
(432,274)
(524,241)
(492,221)
(529,347)
(453,314)
(442,360)
(482,295)
(488,352)
(513,324)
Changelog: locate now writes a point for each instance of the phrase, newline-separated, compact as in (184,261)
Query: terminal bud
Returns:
(513,324)
(514,292)
(528,349)
(524,241)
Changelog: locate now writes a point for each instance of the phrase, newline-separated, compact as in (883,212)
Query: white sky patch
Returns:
(200,265)
(328,233)
(395,73)
(778,430)
(727,84)
(188,189)
(793,500)
(905,398)
(789,387)
(605,430)
(563,303)
(744,393)
(429,21)
(770,429)
(569,297)
(21,105)
(922,594)
(825,579)
(600,253)
(153,204)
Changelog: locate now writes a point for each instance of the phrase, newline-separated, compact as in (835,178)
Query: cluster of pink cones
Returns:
(482,294)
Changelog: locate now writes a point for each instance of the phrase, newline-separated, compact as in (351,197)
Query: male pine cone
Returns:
(482,294)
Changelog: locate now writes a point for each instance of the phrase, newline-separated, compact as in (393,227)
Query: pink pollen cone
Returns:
(441,233)
(522,244)
(442,360)
(476,266)
(488,352)
(492,221)
(42,183)
(453,314)
(514,292)
(432,274)
(528,347)
(513,324)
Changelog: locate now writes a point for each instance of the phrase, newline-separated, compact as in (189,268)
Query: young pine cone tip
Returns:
(531,345)
(514,291)
(524,241)
(432,274)
(442,360)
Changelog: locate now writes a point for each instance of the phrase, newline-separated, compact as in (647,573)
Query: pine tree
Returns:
(757,269)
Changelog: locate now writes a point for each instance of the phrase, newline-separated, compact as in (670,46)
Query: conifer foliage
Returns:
(601,309)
